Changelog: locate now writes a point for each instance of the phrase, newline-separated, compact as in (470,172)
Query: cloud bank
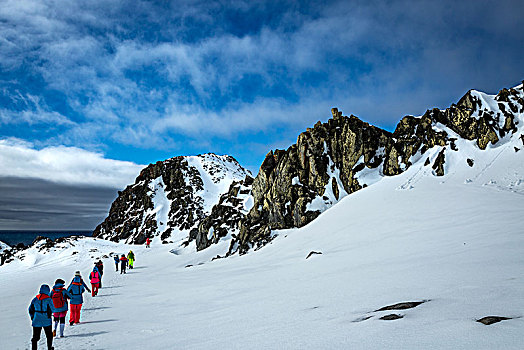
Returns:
(64,165)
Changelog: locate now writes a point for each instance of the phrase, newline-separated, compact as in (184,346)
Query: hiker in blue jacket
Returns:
(40,312)
(115,258)
(59,295)
(76,288)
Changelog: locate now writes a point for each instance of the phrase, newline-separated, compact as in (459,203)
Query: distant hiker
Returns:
(131,258)
(123,264)
(116,262)
(40,312)
(76,288)
(100,266)
(94,277)
(59,295)
(148,242)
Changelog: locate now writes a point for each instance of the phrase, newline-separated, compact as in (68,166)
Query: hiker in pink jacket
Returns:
(94,277)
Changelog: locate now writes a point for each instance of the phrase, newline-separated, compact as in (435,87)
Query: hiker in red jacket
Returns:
(123,264)
(94,277)
(148,242)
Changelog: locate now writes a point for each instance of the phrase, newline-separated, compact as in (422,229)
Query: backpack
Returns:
(58,299)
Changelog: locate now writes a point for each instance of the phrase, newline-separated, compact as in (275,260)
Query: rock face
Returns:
(345,154)
(170,198)
(293,186)
(207,199)
(226,215)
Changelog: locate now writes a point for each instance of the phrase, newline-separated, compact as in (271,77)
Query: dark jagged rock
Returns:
(488,320)
(391,317)
(470,162)
(313,253)
(402,306)
(438,166)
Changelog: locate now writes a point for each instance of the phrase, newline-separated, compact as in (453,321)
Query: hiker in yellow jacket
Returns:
(131,258)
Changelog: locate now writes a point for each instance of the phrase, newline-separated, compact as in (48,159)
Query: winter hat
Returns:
(44,289)
(77,273)
(59,281)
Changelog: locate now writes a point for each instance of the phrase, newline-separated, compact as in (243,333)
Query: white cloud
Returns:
(35,112)
(65,165)
(125,86)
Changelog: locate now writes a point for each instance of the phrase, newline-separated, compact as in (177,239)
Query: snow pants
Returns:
(131,262)
(94,289)
(116,266)
(75,313)
(48,330)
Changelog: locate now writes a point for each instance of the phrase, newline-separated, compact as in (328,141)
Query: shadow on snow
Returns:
(96,308)
(83,335)
(99,321)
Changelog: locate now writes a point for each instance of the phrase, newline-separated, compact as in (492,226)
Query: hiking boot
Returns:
(54,333)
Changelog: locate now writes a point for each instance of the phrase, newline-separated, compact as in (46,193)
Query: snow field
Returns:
(458,245)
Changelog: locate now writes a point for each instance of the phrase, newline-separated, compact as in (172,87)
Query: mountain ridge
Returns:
(328,162)
(199,201)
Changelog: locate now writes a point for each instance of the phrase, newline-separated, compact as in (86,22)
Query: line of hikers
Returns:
(55,302)
(124,262)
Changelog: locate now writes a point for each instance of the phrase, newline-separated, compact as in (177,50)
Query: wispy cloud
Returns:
(153,74)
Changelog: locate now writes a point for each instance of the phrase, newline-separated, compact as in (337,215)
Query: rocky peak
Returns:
(345,154)
(169,198)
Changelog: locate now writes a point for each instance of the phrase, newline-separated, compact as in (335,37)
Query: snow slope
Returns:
(454,240)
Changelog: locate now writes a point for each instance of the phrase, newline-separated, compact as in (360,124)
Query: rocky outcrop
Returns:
(169,197)
(489,320)
(225,217)
(316,172)
(331,159)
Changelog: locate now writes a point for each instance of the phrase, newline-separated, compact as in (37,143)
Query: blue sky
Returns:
(141,81)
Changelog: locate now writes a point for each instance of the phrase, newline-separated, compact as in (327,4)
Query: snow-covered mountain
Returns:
(426,259)
(206,199)
(203,200)
(170,198)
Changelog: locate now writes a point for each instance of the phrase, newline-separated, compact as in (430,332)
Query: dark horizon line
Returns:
(45,231)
